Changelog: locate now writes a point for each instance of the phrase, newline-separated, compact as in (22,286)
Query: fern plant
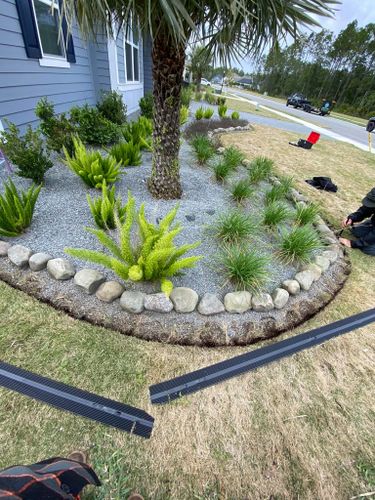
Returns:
(126,153)
(105,208)
(184,115)
(17,209)
(156,258)
(139,132)
(92,167)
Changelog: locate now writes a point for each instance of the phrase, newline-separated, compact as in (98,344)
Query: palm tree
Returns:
(229,29)
(199,62)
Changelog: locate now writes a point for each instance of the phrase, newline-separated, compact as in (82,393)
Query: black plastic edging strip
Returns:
(211,375)
(86,404)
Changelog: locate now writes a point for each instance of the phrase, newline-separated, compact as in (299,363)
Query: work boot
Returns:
(78,456)
(135,496)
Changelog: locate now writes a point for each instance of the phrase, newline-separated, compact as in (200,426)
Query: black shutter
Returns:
(68,40)
(29,30)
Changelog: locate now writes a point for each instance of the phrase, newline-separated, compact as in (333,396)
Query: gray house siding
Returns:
(147,64)
(98,52)
(23,81)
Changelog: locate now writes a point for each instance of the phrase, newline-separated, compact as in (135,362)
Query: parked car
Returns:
(298,100)
(205,83)
(371,125)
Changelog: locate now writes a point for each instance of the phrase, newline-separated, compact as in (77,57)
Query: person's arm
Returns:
(361,214)
(367,240)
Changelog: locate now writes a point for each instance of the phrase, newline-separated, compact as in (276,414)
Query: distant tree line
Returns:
(322,65)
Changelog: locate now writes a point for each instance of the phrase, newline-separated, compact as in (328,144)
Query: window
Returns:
(131,51)
(47,18)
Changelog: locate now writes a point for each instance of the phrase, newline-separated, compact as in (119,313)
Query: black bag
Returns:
(302,143)
(324,183)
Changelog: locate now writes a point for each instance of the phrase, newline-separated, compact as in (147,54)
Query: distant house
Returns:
(245,81)
(34,63)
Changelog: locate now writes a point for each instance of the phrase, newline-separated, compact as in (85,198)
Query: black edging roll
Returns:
(211,375)
(86,404)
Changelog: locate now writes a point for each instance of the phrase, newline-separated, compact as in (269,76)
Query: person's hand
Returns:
(345,242)
(346,222)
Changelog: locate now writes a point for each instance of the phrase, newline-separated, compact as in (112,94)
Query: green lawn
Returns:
(300,428)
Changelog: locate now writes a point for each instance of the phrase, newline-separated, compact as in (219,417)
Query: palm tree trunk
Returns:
(168,65)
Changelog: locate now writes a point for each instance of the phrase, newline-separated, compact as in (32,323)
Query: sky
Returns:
(348,11)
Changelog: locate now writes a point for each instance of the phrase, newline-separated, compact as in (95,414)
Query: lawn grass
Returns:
(300,428)
(243,106)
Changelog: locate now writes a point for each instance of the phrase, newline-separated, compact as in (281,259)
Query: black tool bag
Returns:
(324,183)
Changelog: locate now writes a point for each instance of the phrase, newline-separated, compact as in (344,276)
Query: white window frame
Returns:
(47,59)
(128,39)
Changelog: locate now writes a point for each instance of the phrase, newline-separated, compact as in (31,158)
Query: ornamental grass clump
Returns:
(208,113)
(91,166)
(276,193)
(126,153)
(235,115)
(241,191)
(203,148)
(221,170)
(260,169)
(246,269)
(105,208)
(155,257)
(199,114)
(233,156)
(276,213)
(184,115)
(234,226)
(299,244)
(287,183)
(222,110)
(16,209)
(306,214)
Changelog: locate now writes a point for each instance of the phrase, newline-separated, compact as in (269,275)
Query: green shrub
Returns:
(199,114)
(246,269)
(184,115)
(210,98)
(241,190)
(235,115)
(93,127)
(57,129)
(198,96)
(112,107)
(139,132)
(105,208)
(208,112)
(276,193)
(155,258)
(221,170)
(222,110)
(27,152)
(275,213)
(299,244)
(234,226)
(91,166)
(260,169)
(16,209)
(306,214)
(146,105)
(221,101)
(126,153)
(203,148)
(186,96)
(233,156)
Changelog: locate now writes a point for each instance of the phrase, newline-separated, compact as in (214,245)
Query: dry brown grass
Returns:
(296,429)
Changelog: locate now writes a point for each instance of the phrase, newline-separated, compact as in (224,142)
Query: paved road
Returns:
(326,125)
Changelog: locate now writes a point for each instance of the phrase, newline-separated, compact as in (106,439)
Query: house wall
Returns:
(23,81)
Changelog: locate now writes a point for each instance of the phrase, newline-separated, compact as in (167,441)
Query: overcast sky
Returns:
(348,11)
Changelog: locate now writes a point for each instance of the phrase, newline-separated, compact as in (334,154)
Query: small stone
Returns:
(322,262)
(210,212)
(158,302)
(315,270)
(330,255)
(132,301)
(4,247)
(262,302)
(280,297)
(38,261)
(190,218)
(185,300)
(109,291)
(220,151)
(237,302)
(296,195)
(60,269)
(246,162)
(305,279)
(19,255)
(89,280)
(324,229)
(330,240)
(210,304)
(292,286)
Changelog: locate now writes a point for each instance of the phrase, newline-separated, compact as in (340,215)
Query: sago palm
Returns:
(228,28)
